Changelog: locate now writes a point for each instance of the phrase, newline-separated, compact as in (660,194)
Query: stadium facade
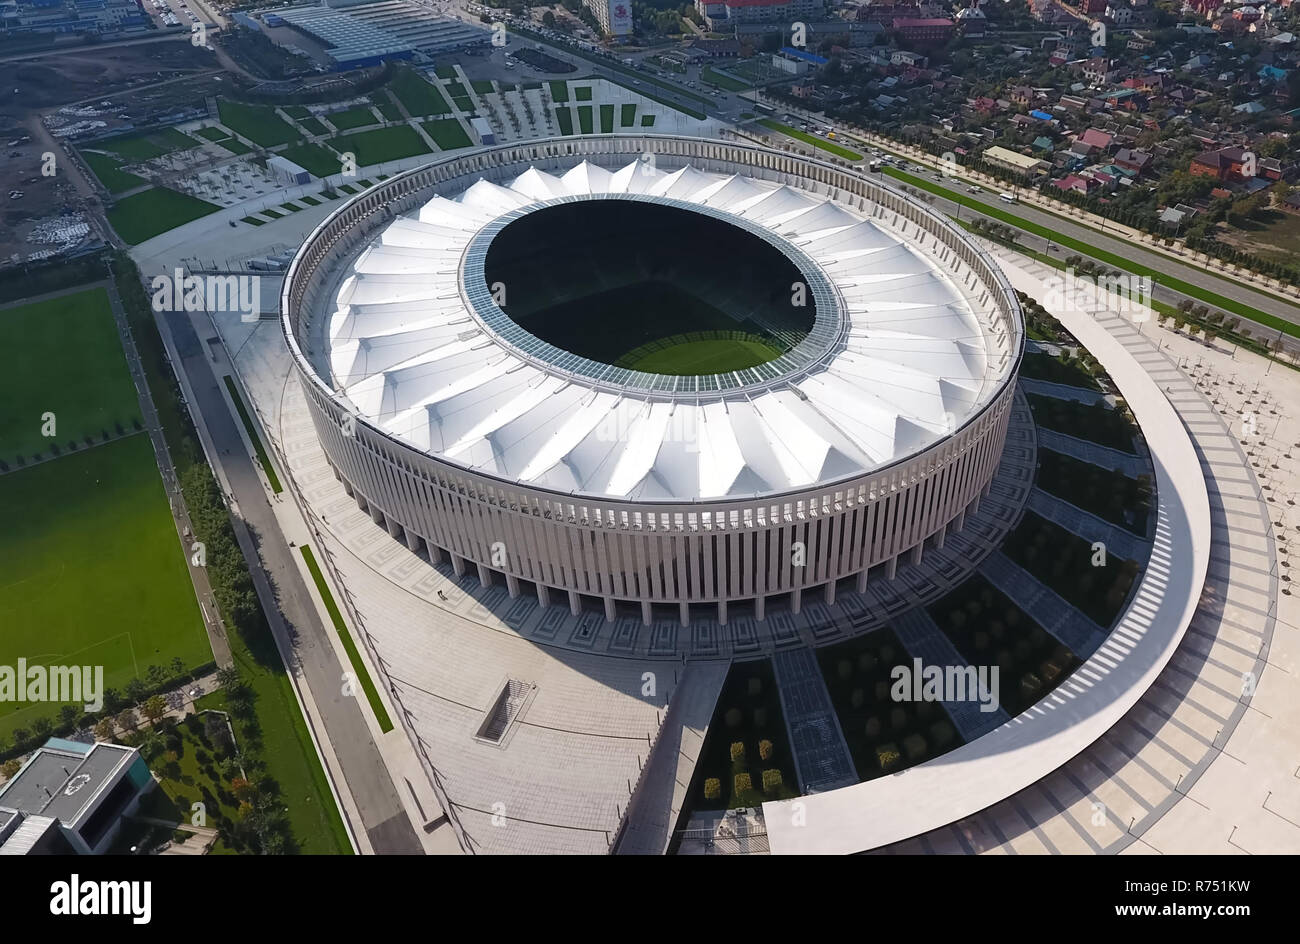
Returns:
(872,430)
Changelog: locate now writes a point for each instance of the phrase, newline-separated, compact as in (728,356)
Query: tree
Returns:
(126,719)
(9,768)
(155,708)
(548,19)
(104,730)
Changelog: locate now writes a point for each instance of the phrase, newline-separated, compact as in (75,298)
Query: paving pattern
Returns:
(1064,392)
(820,753)
(1042,604)
(1104,456)
(1119,542)
(1173,775)
(924,640)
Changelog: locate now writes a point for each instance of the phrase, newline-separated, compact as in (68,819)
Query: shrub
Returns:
(760,717)
(888,757)
(712,788)
(914,746)
(737,751)
(755,686)
(873,727)
(9,768)
(941,734)
(733,717)
(742,783)
(772,781)
(765,750)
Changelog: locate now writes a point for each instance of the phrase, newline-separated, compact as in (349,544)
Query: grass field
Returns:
(213,134)
(235,146)
(447,133)
(699,354)
(62,356)
(819,143)
(1076,245)
(559,90)
(313,126)
(418,96)
(627,116)
(144,215)
(387,107)
(258,123)
(321,161)
(143,147)
(346,120)
(582,93)
(585,119)
(483,86)
(296,111)
(713,77)
(565,117)
(606,119)
(647,121)
(382,144)
(108,169)
(445,71)
(340,627)
(91,570)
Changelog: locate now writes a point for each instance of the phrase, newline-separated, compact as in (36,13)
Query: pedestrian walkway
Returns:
(1043,604)
(1103,456)
(1119,542)
(1046,388)
(821,755)
(925,641)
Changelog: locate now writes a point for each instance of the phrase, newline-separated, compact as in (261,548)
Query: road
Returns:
(290,610)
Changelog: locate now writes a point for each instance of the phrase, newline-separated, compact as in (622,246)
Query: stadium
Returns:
(654,375)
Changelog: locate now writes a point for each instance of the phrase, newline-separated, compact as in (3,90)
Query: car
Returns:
(974,190)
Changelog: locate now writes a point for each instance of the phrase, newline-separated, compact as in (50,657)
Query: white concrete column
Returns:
(436,554)
(575,602)
(722,612)
(609,609)
(796,600)
(376,515)
(916,552)
(892,567)
(543,596)
(458,565)
(760,607)
(647,612)
(512,585)
(862,580)
(940,536)
(830,593)
(484,576)
(394,529)
(959,522)
(684,610)
(412,540)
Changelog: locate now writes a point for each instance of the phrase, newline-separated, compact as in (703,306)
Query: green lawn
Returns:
(62,356)
(251,428)
(606,119)
(1178,285)
(296,111)
(257,123)
(107,168)
(310,201)
(346,120)
(585,119)
(627,116)
(418,96)
(314,158)
(349,645)
(387,107)
(382,144)
(456,89)
(713,77)
(235,146)
(143,147)
(483,86)
(445,71)
(92,571)
(559,90)
(582,93)
(144,215)
(313,126)
(691,356)
(647,121)
(820,143)
(447,133)
(213,134)
(565,117)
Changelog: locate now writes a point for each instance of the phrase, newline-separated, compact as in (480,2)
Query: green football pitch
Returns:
(92,572)
(700,354)
(62,356)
